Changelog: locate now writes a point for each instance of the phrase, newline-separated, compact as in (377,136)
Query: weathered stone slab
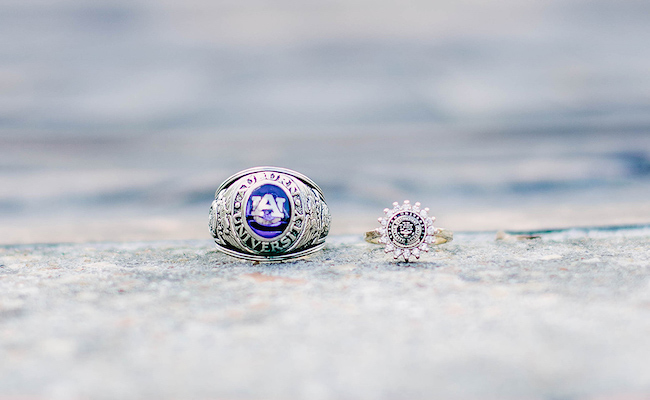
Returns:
(566,316)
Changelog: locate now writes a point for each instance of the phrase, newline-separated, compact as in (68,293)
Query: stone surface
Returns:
(565,316)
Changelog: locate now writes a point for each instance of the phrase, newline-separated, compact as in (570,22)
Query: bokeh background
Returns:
(118,119)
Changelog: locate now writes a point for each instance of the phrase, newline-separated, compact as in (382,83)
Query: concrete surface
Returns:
(566,316)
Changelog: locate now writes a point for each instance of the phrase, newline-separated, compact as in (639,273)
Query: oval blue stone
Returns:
(268,211)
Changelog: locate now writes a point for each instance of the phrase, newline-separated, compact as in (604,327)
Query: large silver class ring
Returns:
(269,214)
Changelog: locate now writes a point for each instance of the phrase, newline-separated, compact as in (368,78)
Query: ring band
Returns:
(441,236)
(269,214)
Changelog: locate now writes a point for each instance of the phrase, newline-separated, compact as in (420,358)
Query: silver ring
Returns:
(269,214)
(407,231)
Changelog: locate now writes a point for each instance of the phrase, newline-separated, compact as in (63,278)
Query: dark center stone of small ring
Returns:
(407,229)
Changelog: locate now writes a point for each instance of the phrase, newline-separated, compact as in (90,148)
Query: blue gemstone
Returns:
(268,211)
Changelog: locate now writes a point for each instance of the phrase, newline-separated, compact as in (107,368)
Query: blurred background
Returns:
(118,119)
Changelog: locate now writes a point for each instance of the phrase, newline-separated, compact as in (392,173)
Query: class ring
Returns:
(269,214)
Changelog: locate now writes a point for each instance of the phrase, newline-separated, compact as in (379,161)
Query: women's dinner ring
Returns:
(407,231)
(269,214)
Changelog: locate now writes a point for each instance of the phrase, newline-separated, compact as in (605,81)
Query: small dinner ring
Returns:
(407,231)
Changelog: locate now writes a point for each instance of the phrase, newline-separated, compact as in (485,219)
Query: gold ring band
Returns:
(441,236)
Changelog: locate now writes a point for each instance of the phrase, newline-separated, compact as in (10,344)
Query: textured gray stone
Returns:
(566,316)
